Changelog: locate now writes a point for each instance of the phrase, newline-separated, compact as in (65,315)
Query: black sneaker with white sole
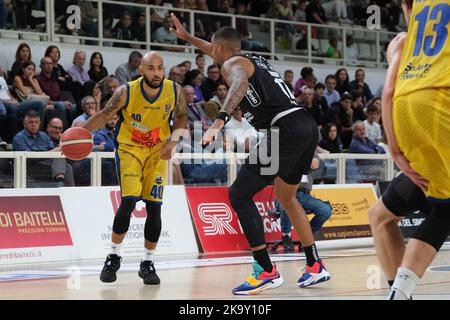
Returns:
(147,272)
(112,264)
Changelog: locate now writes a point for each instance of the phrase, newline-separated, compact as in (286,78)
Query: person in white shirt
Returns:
(241,131)
(373,129)
(351,52)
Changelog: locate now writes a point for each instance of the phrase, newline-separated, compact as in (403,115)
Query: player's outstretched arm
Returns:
(182,34)
(179,125)
(114,104)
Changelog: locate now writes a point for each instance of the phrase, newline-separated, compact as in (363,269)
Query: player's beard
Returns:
(149,83)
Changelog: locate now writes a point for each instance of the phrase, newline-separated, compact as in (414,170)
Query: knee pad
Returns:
(435,229)
(123,216)
(153,223)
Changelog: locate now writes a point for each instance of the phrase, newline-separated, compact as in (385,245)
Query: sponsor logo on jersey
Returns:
(252,96)
(158,179)
(152,107)
(139,127)
(167,109)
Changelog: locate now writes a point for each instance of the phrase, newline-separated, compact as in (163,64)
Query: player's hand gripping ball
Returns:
(76,143)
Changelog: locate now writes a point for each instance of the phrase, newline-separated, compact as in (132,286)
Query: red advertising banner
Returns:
(32,221)
(116,200)
(217,224)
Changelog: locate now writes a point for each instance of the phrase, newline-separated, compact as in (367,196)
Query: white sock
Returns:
(404,284)
(115,248)
(148,254)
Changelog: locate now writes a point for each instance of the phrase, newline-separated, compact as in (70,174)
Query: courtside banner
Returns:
(217,224)
(34,226)
(351,203)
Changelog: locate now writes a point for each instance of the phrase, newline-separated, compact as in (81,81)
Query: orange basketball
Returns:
(76,143)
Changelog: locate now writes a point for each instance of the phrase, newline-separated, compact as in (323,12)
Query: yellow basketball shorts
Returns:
(422,128)
(142,174)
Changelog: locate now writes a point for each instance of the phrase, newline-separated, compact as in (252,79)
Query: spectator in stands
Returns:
(241,132)
(22,9)
(351,52)
(209,84)
(300,12)
(224,7)
(187,66)
(97,71)
(320,101)
(89,107)
(126,71)
(358,106)
(23,54)
(196,81)
(110,85)
(288,79)
(360,143)
(14,108)
(175,75)
(373,129)
(283,11)
(313,109)
(247,42)
(59,73)
(205,20)
(163,35)
(214,105)
(360,85)
(342,81)
(54,129)
(51,88)
(330,140)
(89,16)
(333,51)
(330,93)
(307,78)
(359,8)
(196,115)
(342,115)
(108,20)
(157,15)
(200,62)
(77,71)
(122,30)
(31,139)
(139,29)
(315,13)
(8,123)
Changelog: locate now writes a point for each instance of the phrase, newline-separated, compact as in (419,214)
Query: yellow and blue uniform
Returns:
(422,96)
(142,129)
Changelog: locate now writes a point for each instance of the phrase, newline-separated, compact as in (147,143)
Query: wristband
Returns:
(224,116)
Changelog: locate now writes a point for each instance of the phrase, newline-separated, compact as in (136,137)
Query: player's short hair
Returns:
(228,34)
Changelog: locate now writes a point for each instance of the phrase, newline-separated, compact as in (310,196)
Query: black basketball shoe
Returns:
(112,264)
(147,272)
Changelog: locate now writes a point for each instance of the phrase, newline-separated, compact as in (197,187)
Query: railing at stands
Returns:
(284,40)
(231,159)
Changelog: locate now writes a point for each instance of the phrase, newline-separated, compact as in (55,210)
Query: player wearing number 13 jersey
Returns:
(416,115)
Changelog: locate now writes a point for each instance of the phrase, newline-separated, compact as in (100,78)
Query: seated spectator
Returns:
(247,42)
(342,115)
(333,51)
(59,73)
(50,87)
(288,79)
(199,122)
(16,108)
(126,71)
(108,19)
(311,107)
(351,52)
(122,31)
(97,71)
(139,29)
(76,71)
(359,85)
(330,140)
(110,85)
(358,106)
(89,107)
(24,18)
(307,78)
(23,54)
(214,105)
(283,11)
(342,81)
(31,139)
(157,15)
(373,129)
(200,62)
(195,81)
(175,75)
(164,35)
(54,130)
(315,13)
(337,8)
(209,84)
(8,125)
(206,21)
(320,101)
(330,93)
(241,132)
(300,12)
(360,143)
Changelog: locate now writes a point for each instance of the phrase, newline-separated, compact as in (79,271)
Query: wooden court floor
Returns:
(355,275)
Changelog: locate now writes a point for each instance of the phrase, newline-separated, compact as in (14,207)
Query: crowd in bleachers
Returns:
(345,108)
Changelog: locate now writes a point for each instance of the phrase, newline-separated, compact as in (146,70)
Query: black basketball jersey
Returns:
(267,95)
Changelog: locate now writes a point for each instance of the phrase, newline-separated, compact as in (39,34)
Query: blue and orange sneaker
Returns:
(313,275)
(259,281)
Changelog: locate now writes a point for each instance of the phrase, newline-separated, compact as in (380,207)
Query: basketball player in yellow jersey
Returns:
(416,116)
(143,143)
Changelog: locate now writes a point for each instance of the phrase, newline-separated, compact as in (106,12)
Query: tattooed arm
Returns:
(117,102)
(179,126)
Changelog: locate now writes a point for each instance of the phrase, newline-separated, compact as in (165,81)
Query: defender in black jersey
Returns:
(267,104)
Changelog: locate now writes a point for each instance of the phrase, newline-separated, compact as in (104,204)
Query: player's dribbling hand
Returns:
(404,166)
(167,150)
(211,134)
(179,30)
